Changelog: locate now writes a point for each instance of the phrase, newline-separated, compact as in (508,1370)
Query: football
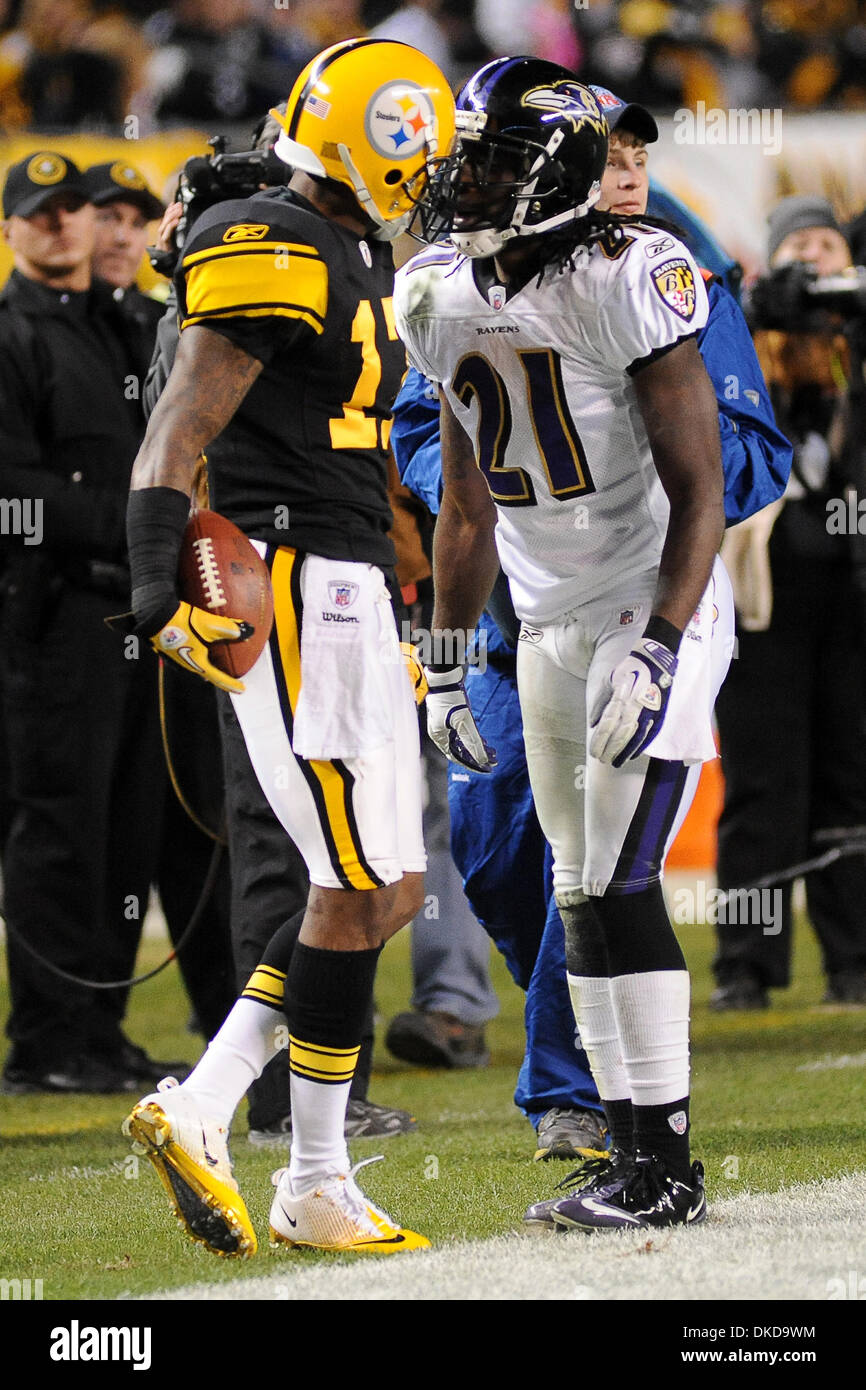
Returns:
(221,571)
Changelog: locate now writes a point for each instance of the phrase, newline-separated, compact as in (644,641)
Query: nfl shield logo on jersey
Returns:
(342,593)
(496,297)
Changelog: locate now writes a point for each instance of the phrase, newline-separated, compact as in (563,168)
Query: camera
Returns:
(794,298)
(209,179)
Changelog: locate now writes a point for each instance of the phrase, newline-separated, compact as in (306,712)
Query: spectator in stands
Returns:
(215,62)
(70,64)
(792,713)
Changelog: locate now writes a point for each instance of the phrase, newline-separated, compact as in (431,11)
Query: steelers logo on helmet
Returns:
(126,176)
(397,120)
(46,169)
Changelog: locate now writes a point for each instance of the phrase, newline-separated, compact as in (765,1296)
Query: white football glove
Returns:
(628,715)
(450,722)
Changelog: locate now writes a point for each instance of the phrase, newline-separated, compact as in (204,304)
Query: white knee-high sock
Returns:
(252,1034)
(318,1142)
(596,1022)
(652,1018)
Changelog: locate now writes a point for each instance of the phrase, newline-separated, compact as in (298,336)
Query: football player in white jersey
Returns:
(580,448)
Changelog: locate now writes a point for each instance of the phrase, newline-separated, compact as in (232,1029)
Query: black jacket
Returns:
(70,415)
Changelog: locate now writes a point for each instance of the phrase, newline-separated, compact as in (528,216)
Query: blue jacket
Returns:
(696,235)
(756,456)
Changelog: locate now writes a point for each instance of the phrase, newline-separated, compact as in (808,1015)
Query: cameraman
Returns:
(792,714)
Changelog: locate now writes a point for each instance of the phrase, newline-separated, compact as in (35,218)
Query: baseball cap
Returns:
(38,177)
(119,182)
(794,214)
(626,114)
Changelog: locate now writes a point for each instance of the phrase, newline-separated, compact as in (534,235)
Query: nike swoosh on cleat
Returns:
(209,1159)
(385,1240)
(602,1209)
(693,1212)
(292,1223)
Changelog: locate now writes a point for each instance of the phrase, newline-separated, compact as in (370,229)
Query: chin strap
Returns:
(385,231)
(487,241)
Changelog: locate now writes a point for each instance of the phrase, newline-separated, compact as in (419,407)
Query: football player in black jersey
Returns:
(287,367)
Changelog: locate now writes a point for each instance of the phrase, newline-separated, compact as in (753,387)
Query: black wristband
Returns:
(660,630)
(155,522)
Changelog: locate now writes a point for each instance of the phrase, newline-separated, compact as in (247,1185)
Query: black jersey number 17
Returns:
(354,429)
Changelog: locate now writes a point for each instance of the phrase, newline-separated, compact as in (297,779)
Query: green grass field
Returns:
(91,1221)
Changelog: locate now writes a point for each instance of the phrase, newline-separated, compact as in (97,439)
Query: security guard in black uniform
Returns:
(86,769)
(125,208)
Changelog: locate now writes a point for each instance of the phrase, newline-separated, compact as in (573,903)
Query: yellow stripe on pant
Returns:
(328,785)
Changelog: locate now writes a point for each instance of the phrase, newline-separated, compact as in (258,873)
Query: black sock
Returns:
(638,931)
(585,948)
(620,1121)
(278,952)
(267,986)
(663,1130)
(328,994)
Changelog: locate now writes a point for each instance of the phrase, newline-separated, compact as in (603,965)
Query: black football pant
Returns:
(792,724)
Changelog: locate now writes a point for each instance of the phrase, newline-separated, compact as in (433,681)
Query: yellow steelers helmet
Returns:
(372,115)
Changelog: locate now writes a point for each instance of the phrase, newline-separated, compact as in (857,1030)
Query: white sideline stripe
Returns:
(829,1062)
(763,1246)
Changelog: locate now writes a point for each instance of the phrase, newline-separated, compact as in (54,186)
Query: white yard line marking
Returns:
(803,1242)
(829,1062)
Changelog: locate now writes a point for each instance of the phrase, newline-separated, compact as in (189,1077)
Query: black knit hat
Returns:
(794,214)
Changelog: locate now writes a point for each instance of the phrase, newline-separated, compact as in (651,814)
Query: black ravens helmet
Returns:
(528,157)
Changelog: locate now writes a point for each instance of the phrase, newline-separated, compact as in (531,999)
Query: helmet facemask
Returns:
(496,186)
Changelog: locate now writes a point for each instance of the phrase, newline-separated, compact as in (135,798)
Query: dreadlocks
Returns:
(558,247)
